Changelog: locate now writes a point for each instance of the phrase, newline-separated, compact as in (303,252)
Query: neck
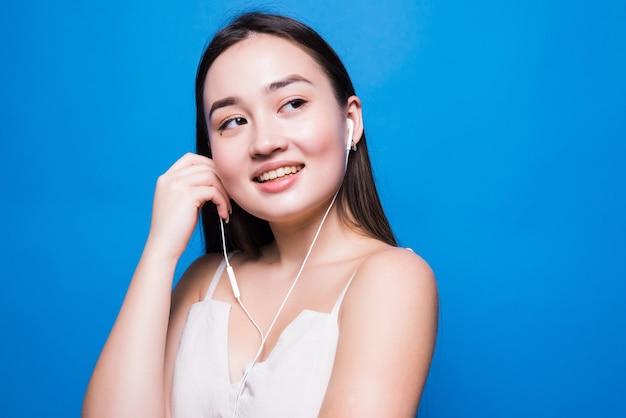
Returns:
(315,234)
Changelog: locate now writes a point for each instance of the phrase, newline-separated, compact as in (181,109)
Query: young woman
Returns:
(303,305)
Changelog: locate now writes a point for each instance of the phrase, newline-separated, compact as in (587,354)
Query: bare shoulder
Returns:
(397,259)
(393,272)
(388,321)
(393,285)
(194,282)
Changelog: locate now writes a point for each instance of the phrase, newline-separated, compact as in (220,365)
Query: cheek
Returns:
(317,134)
(226,164)
(327,142)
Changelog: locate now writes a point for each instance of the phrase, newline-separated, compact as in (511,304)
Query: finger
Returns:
(205,194)
(189,159)
(182,172)
(204,179)
(191,165)
(200,176)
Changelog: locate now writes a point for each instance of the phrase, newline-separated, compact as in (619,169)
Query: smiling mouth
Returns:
(278,173)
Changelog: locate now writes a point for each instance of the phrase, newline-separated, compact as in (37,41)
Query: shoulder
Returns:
(194,283)
(388,321)
(393,274)
(395,259)
(392,285)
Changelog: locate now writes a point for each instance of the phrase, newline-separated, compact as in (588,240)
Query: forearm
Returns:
(128,378)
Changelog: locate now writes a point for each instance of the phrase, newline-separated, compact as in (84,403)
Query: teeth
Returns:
(279,172)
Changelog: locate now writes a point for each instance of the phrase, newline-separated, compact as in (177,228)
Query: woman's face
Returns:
(278,136)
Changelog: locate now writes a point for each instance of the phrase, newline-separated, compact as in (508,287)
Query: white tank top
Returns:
(291,382)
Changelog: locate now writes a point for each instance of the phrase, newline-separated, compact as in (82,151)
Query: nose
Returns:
(267,139)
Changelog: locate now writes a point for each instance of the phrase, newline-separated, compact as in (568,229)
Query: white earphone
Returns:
(350,133)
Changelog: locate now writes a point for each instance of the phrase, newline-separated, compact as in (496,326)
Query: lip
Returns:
(280,184)
(273,165)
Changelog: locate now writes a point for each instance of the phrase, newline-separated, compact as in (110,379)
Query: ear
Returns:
(354,113)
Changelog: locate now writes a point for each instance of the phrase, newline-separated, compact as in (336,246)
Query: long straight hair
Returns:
(358,203)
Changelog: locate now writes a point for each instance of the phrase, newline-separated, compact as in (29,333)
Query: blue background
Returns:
(498,134)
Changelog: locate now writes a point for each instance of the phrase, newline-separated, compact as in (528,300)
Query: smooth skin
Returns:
(273,106)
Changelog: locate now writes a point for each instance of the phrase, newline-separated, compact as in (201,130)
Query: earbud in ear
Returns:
(350,133)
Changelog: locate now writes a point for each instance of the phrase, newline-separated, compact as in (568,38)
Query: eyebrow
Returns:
(228,101)
(276,85)
(287,81)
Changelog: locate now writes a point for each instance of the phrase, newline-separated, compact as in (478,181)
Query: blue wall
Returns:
(499,139)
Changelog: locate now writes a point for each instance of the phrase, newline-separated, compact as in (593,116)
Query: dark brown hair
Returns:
(357,203)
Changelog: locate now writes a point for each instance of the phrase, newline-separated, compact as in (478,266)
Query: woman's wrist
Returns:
(161,251)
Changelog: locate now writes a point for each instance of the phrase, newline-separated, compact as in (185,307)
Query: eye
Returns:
(232,123)
(293,105)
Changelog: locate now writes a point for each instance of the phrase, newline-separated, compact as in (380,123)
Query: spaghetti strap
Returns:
(216,277)
(337,306)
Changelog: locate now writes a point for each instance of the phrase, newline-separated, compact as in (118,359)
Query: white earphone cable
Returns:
(233,281)
(282,305)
